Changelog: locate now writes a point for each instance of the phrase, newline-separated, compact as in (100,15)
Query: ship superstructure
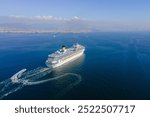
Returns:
(64,55)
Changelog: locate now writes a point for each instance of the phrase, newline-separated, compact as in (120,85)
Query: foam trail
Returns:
(15,78)
(4,84)
(50,79)
(17,81)
(39,72)
(11,91)
(33,77)
(8,87)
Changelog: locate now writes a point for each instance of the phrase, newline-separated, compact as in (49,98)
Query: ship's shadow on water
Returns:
(51,84)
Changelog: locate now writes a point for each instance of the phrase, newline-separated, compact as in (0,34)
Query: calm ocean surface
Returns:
(114,66)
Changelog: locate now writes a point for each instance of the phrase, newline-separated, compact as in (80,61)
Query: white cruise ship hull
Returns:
(62,62)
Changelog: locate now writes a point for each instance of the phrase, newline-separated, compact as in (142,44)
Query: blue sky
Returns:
(110,10)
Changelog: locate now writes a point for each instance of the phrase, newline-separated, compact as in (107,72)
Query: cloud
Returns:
(75,23)
(34,17)
(43,17)
(76,17)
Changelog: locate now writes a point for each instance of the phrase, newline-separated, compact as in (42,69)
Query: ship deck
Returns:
(69,51)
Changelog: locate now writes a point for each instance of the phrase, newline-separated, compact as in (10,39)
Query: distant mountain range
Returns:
(58,24)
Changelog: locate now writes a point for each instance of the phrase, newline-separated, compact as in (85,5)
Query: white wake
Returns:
(25,78)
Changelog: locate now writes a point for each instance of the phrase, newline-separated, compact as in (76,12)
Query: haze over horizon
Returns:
(74,15)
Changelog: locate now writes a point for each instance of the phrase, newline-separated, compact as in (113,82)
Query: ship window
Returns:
(52,57)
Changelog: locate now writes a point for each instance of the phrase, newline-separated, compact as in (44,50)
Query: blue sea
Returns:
(116,65)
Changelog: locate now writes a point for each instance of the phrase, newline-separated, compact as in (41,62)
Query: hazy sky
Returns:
(110,10)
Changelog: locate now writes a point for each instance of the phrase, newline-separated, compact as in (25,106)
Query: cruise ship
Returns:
(64,55)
